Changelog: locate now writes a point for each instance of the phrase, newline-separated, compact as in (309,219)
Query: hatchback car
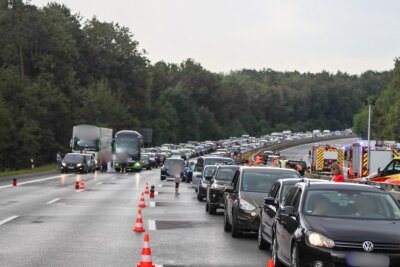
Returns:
(246,194)
(337,224)
(75,162)
(223,176)
(203,161)
(207,176)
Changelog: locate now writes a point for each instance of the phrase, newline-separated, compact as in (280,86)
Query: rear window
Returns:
(226,174)
(261,180)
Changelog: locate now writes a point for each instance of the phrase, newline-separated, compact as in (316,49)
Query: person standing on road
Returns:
(337,173)
(58,160)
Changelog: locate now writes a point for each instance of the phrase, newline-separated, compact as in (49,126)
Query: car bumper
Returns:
(216,198)
(72,169)
(338,258)
(248,220)
(202,191)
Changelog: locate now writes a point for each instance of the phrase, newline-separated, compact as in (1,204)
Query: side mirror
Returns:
(229,189)
(269,201)
(288,211)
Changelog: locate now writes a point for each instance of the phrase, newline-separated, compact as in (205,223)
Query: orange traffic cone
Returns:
(82,184)
(142,204)
(139,223)
(270,263)
(147,189)
(145,259)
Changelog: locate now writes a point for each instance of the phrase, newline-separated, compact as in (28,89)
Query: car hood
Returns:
(354,230)
(254,198)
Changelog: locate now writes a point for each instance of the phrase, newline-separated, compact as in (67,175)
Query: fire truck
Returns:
(322,156)
(358,159)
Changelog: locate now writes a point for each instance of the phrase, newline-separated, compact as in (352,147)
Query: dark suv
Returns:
(246,194)
(337,224)
(223,176)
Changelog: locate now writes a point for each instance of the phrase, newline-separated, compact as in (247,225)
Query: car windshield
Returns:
(213,161)
(353,204)
(209,171)
(73,158)
(170,163)
(261,180)
(226,174)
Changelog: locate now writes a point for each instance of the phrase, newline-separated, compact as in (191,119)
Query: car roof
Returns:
(348,186)
(215,157)
(266,168)
(174,159)
(297,180)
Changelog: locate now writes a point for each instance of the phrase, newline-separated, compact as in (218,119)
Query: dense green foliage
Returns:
(58,70)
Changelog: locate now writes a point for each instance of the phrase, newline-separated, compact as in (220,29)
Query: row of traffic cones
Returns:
(80,185)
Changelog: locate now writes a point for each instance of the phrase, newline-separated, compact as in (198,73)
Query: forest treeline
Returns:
(58,69)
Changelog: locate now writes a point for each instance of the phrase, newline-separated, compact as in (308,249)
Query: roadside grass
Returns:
(43,168)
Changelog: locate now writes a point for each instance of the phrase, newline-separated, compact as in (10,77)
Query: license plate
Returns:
(367,259)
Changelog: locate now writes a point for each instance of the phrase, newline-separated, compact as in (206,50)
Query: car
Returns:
(223,176)
(75,162)
(203,161)
(145,162)
(337,224)
(246,194)
(271,204)
(152,159)
(91,161)
(171,168)
(299,165)
(207,175)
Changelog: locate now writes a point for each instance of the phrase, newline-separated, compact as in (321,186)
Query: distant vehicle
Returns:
(246,194)
(76,162)
(91,139)
(203,161)
(215,193)
(126,146)
(152,159)
(337,224)
(207,176)
(145,162)
(172,167)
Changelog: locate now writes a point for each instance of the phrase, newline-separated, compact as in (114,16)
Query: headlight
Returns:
(79,164)
(64,164)
(217,187)
(319,240)
(96,161)
(244,205)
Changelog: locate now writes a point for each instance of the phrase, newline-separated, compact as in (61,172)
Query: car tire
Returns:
(212,210)
(274,254)
(235,229)
(262,244)
(227,225)
(200,197)
(207,207)
(162,178)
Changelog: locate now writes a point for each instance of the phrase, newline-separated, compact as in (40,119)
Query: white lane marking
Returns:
(159,265)
(14,217)
(125,174)
(37,180)
(160,185)
(152,204)
(80,190)
(156,193)
(99,183)
(114,178)
(53,201)
(152,225)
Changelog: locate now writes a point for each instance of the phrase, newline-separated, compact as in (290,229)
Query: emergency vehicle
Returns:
(390,174)
(358,159)
(322,156)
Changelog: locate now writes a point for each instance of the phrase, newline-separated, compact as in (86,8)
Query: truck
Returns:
(322,156)
(91,139)
(379,155)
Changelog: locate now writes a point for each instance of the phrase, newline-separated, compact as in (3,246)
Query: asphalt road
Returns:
(44,221)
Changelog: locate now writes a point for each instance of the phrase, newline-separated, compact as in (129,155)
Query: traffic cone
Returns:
(270,263)
(152,191)
(77,185)
(139,223)
(145,259)
(14,183)
(142,204)
(147,189)
(82,184)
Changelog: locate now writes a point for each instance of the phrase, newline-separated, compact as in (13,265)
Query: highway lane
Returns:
(49,223)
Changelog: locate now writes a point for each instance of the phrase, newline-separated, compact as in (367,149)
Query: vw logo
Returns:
(368,246)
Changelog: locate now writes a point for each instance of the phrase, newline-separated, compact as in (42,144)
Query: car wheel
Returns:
(199,197)
(162,178)
(262,244)
(227,225)
(235,229)
(295,257)
(207,207)
(212,210)
(274,254)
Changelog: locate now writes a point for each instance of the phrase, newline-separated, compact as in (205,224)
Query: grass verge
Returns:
(42,168)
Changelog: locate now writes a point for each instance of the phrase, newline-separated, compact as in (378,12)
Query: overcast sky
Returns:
(224,35)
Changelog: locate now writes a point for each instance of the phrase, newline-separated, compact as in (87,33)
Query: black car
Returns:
(246,194)
(75,162)
(271,204)
(171,168)
(223,176)
(207,176)
(337,224)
